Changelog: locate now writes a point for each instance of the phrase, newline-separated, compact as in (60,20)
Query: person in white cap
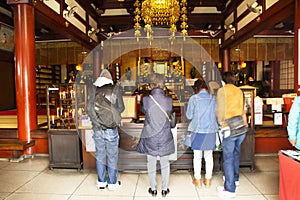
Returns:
(106,139)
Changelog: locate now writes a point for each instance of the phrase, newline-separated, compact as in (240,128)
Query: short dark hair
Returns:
(200,84)
(229,77)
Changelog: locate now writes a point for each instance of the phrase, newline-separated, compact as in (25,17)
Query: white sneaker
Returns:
(114,186)
(237,183)
(225,193)
(101,185)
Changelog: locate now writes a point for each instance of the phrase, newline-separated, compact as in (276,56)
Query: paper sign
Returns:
(89,141)
(275,101)
(276,107)
(258,108)
(258,119)
(277,118)
(258,105)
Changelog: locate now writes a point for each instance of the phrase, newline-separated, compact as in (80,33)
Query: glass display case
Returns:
(82,119)
(248,145)
(249,94)
(61,106)
(63,137)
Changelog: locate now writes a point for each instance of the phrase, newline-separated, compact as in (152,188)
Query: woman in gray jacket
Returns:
(156,138)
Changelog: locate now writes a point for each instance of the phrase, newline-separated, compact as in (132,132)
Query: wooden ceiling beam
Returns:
(231,8)
(128,4)
(279,11)
(114,4)
(88,9)
(7,20)
(4,18)
(195,20)
(219,4)
(116,23)
(51,19)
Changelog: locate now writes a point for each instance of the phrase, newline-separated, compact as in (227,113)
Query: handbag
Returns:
(171,118)
(188,139)
(236,125)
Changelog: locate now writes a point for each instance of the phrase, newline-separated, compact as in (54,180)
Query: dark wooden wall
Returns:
(7,81)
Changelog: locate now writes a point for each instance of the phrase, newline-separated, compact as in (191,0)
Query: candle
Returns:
(57,111)
(64,94)
(72,93)
(61,110)
(65,114)
(52,119)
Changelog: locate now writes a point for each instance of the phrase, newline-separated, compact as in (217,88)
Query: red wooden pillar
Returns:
(226,60)
(296,46)
(25,68)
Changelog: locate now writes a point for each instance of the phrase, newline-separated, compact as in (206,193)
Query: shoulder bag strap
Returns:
(160,107)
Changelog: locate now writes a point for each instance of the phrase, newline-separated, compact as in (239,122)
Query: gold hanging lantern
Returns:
(160,13)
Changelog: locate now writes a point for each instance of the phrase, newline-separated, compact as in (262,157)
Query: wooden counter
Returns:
(131,160)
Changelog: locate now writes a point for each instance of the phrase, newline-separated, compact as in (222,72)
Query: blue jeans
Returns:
(231,160)
(107,144)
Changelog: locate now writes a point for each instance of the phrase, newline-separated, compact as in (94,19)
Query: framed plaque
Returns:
(130,103)
(6,38)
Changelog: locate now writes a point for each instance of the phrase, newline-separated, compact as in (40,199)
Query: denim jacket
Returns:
(293,127)
(201,110)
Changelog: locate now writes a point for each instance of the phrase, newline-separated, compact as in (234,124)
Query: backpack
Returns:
(108,115)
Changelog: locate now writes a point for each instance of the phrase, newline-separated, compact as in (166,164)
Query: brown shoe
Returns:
(207,182)
(197,183)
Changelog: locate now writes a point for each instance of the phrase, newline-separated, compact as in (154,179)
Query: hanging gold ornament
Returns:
(160,13)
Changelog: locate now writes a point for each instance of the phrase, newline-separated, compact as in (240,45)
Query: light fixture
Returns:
(242,64)
(79,67)
(35,1)
(93,31)
(219,65)
(290,32)
(230,28)
(160,13)
(255,8)
(70,11)
(211,32)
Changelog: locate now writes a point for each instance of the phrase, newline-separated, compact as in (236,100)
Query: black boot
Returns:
(165,192)
(152,192)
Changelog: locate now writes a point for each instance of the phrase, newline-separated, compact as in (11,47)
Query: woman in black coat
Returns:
(156,138)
